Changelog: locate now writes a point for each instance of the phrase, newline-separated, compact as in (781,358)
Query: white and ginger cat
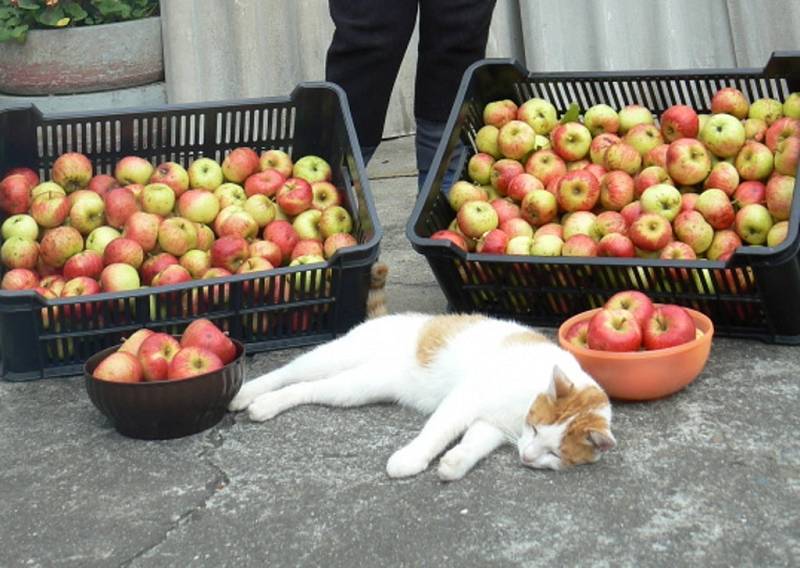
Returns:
(493,381)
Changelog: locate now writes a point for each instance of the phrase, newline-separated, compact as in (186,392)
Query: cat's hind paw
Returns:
(453,466)
(405,463)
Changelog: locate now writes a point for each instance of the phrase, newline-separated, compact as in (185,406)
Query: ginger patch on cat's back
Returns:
(438,332)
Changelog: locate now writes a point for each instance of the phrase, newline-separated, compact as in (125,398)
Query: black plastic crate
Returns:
(284,307)
(756,294)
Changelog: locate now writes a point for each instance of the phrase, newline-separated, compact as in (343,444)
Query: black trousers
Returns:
(371,38)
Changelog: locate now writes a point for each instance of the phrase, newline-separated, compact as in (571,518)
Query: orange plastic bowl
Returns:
(643,375)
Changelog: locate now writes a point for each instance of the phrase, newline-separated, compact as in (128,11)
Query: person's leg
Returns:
(452,36)
(364,57)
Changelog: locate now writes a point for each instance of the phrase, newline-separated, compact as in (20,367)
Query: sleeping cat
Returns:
(491,381)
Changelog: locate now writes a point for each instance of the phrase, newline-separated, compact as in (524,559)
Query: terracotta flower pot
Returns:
(83,59)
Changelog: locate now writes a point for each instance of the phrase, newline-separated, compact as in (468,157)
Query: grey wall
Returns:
(224,49)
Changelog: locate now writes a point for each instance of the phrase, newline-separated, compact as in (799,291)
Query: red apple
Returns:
(521,184)
(500,112)
(679,121)
(750,192)
(283,234)
(780,130)
(192,362)
(122,250)
(779,192)
(452,236)
(631,212)
(133,169)
(268,250)
(143,228)
(668,326)
(609,222)
(172,274)
(303,247)
(59,244)
(545,165)
(240,164)
(577,190)
(119,277)
(578,334)
(616,244)
(295,196)
(85,263)
(120,204)
(335,242)
(155,264)
(502,172)
(723,176)
(614,330)
(635,302)
(229,252)
(119,367)
(203,333)
(30,175)
(277,160)
(15,194)
(80,286)
(730,100)
(172,174)
(579,245)
(134,342)
(19,279)
(155,355)
(492,242)
(622,156)
(688,161)
(267,182)
(616,190)
(599,145)
(72,171)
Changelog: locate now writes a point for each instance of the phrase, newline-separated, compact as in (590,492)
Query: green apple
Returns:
(662,199)
(306,224)
(20,225)
(205,173)
(100,237)
(158,198)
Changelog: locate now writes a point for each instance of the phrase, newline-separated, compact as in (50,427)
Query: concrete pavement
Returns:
(709,476)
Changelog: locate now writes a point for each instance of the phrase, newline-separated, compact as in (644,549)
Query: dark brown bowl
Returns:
(161,410)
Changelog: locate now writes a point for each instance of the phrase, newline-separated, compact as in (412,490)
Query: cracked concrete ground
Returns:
(709,476)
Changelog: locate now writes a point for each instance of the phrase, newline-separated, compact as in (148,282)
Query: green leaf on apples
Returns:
(572,115)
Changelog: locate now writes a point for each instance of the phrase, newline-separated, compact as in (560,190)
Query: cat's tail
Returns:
(376,298)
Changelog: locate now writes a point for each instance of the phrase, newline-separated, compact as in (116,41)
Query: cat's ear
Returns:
(563,386)
(602,440)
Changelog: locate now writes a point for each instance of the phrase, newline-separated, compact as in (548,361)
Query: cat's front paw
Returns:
(405,463)
(265,407)
(453,465)
(246,395)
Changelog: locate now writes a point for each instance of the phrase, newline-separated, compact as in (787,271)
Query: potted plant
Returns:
(50,47)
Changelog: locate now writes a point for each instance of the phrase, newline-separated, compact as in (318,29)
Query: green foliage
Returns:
(19,16)
(573,114)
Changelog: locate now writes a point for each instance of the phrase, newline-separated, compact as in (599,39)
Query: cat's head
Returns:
(566,426)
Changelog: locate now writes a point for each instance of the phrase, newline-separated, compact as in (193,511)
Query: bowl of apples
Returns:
(638,350)
(155,386)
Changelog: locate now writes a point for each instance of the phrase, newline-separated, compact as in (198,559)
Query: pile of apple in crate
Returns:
(626,183)
(82,232)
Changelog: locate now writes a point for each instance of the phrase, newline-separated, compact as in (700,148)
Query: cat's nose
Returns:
(528,456)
